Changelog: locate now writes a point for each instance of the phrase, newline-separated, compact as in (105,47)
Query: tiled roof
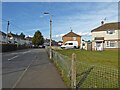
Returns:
(108,26)
(71,34)
(2,33)
(28,38)
(14,35)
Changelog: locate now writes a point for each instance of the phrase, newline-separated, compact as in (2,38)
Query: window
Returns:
(70,43)
(107,43)
(110,44)
(111,32)
(66,44)
(74,38)
(83,44)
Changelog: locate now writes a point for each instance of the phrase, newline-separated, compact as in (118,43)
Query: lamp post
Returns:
(50,34)
(7,30)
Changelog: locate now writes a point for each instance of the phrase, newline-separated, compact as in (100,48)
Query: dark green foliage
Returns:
(11,47)
(37,39)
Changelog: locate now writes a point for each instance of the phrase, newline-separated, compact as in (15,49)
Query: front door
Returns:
(99,46)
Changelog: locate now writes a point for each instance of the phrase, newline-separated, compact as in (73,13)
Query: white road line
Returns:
(26,52)
(21,76)
(12,58)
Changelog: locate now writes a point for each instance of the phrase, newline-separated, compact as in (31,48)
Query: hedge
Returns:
(11,47)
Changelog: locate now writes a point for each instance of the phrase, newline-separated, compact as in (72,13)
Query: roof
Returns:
(71,34)
(28,38)
(60,42)
(14,35)
(108,26)
(2,33)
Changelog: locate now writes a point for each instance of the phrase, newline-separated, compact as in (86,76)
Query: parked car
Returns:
(70,45)
(41,46)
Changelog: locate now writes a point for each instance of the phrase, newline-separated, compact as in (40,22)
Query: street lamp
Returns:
(50,34)
(7,30)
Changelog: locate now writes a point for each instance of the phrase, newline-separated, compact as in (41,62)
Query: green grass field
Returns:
(108,58)
(95,69)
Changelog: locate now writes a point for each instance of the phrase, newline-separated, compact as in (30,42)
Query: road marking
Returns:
(26,52)
(21,76)
(14,53)
(12,58)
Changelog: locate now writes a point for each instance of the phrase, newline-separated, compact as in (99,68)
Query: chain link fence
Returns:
(87,76)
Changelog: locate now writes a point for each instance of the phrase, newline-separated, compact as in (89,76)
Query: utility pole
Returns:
(50,40)
(7,30)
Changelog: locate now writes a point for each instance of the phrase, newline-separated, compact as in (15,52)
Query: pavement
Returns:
(29,68)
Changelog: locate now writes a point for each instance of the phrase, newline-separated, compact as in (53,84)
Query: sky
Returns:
(81,17)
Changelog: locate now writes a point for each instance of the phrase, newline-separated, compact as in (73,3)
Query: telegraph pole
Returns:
(7,30)
(50,40)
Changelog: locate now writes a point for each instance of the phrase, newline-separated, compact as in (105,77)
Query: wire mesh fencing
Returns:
(63,63)
(87,75)
(91,76)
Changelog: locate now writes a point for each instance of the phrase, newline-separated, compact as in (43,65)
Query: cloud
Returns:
(29,36)
(58,36)
(86,34)
(41,16)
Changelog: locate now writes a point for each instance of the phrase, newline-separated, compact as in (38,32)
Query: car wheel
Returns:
(75,47)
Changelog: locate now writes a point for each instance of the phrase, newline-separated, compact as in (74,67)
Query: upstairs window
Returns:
(111,32)
(74,38)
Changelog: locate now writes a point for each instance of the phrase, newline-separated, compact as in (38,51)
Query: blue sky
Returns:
(82,17)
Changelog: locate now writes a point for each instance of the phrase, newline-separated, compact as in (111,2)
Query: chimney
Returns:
(102,22)
(71,30)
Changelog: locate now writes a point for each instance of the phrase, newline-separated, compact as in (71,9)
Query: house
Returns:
(22,41)
(14,38)
(71,36)
(3,38)
(105,37)
(47,42)
(28,40)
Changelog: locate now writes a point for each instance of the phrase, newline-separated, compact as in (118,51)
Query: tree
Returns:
(37,39)
(22,35)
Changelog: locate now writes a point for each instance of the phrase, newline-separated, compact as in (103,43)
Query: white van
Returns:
(70,44)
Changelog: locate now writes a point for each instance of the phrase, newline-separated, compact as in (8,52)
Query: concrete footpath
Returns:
(41,73)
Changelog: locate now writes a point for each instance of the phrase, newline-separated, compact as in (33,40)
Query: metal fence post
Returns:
(73,70)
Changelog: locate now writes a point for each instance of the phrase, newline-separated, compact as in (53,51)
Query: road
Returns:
(29,68)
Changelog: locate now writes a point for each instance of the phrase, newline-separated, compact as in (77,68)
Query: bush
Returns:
(11,47)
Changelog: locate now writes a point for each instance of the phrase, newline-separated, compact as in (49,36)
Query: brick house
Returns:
(106,37)
(71,36)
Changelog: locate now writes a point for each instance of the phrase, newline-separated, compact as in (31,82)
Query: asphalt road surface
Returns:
(29,68)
